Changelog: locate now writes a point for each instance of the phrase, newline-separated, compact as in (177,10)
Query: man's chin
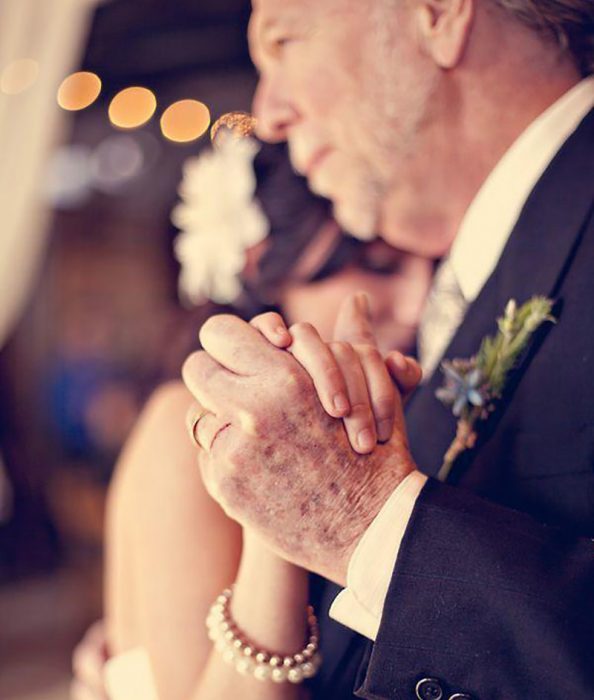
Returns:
(355,206)
(360,221)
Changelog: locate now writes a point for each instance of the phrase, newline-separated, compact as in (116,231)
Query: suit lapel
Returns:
(535,260)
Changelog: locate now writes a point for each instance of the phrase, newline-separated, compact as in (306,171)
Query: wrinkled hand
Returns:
(273,456)
(350,376)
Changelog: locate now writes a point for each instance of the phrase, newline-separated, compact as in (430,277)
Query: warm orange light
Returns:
(185,121)
(18,76)
(78,91)
(132,107)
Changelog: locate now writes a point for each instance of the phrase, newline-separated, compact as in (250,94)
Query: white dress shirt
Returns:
(474,255)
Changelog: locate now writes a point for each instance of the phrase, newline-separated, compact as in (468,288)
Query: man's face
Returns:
(344,83)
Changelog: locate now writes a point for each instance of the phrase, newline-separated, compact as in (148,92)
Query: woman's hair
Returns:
(296,217)
(568,22)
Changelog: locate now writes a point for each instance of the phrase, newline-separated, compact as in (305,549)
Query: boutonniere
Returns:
(473,387)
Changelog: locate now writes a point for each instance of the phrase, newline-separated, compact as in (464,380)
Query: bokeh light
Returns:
(68,177)
(184,121)
(132,107)
(79,91)
(19,76)
(116,160)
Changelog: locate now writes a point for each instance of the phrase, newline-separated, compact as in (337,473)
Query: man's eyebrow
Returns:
(255,41)
(258,36)
(290,20)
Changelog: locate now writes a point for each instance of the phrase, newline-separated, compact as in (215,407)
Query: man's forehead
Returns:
(270,12)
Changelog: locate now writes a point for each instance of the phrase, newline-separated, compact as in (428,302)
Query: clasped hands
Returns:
(302,441)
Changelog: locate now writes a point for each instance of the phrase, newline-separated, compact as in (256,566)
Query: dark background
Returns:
(90,346)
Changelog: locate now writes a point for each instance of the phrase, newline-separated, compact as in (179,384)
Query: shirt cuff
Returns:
(359,606)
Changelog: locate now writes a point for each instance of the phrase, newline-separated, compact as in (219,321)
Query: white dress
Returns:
(129,676)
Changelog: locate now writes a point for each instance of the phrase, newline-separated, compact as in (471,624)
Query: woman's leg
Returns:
(170,548)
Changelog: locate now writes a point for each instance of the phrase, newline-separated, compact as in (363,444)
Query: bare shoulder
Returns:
(157,487)
(167,403)
(158,453)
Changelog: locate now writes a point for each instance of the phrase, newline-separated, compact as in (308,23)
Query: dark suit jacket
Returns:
(493,590)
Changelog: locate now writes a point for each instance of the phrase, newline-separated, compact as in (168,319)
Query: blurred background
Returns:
(100,105)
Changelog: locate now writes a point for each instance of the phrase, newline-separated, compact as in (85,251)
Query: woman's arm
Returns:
(170,549)
(269,605)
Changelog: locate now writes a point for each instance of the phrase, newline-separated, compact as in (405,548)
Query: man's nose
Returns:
(273,111)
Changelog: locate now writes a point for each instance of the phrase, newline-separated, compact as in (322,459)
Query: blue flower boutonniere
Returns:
(473,387)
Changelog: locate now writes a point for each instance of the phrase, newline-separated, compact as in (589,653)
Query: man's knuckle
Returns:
(297,382)
(293,371)
(260,426)
(218,323)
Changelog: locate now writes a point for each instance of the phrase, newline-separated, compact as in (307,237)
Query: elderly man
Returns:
(463,130)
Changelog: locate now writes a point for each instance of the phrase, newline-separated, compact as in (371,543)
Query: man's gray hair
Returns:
(569,22)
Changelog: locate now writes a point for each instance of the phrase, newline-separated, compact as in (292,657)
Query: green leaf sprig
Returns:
(472,387)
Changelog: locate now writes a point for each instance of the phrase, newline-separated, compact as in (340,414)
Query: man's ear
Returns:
(443,28)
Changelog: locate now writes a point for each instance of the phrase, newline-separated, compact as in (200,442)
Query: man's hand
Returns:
(351,378)
(275,459)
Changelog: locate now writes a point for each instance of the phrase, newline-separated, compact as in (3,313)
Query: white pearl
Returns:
(308,670)
(228,656)
(279,675)
(262,672)
(245,666)
(295,675)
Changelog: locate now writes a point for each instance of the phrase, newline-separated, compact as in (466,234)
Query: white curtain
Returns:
(53,33)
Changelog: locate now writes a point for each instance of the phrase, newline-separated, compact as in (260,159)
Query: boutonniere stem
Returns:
(473,387)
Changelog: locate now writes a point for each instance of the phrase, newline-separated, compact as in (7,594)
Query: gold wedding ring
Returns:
(193,419)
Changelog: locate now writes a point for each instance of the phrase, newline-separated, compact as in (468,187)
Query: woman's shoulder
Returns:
(169,397)
(159,437)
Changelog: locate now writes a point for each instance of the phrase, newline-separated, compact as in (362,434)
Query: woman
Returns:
(170,549)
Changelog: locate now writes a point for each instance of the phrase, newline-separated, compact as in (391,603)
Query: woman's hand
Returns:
(353,381)
(88,662)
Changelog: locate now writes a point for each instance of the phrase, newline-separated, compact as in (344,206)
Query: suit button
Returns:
(429,689)
(460,696)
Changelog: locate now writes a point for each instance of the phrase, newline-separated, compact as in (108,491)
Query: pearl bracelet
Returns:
(248,659)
